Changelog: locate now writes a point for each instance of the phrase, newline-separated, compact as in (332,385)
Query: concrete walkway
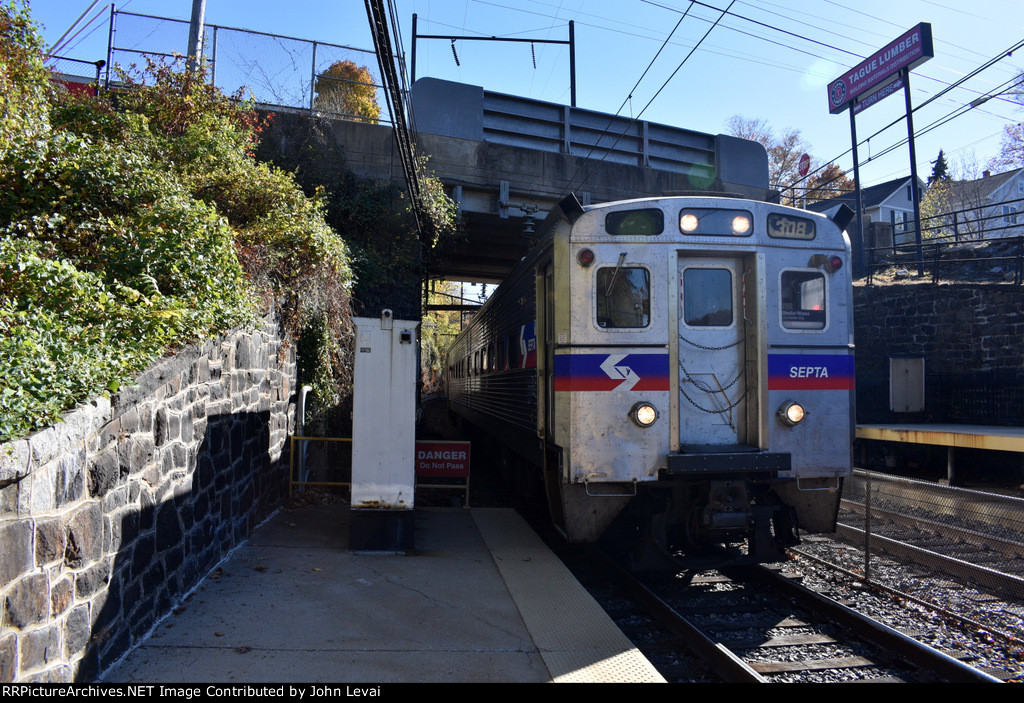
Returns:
(294,605)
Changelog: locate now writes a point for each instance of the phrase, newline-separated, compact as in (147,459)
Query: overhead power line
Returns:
(394,82)
(957,112)
(663,86)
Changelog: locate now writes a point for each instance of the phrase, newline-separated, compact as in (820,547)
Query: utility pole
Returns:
(195,35)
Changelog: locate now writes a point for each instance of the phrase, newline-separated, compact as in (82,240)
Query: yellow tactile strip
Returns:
(575,637)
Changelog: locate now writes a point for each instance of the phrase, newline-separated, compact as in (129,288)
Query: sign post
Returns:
(878,76)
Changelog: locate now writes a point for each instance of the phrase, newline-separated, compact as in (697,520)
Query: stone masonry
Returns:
(956,327)
(971,336)
(109,518)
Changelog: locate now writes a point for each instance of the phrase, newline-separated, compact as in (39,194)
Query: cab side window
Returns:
(803,300)
(623,297)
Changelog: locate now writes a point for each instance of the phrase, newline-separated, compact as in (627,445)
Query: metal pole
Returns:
(110,46)
(572,63)
(867,523)
(195,35)
(99,70)
(413,62)
(213,58)
(312,80)
(913,173)
(860,195)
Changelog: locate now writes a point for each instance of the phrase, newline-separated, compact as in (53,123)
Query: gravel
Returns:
(979,646)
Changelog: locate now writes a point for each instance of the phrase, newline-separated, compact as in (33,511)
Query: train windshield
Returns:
(623,297)
(803,300)
(647,222)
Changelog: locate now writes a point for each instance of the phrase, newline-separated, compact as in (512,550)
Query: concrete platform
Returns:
(481,599)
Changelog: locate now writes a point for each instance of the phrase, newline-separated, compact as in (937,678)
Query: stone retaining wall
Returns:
(109,518)
(956,327)
(971,337)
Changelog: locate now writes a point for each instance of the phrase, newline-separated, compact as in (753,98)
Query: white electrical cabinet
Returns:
(383,434)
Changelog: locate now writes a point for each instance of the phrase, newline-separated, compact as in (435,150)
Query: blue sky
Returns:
(746,66)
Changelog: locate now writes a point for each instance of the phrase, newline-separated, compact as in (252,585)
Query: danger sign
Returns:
(442,459)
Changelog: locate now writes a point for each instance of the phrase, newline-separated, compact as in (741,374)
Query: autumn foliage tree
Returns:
(784,152)
(347,90)
(827,182)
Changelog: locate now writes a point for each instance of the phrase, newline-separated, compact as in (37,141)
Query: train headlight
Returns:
(740,225)
(791,413)
(643,414)
(689,222)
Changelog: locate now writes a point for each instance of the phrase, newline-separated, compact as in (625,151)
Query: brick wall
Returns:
(109,518)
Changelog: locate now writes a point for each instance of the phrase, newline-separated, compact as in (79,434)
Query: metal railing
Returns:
(910,533)
(326,463)
(279,72)
(65,70)
(958,243)
(534,124)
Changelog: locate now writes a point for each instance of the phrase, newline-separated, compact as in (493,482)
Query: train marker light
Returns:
(791,413)
(643,414)
(740,224)
(585,257)
(835,263)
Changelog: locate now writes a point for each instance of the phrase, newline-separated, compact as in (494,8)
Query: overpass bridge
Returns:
(507,160)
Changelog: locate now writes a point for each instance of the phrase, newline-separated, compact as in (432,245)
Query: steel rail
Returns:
(876,586)
(1005,547)
(982,575)
(890,640)
(718,657)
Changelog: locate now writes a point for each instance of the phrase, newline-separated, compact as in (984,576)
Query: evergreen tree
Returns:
(940,169)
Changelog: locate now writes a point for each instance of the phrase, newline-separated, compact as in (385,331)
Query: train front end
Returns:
(696,371)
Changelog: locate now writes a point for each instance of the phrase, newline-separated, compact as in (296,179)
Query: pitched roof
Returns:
(986,184)
(871,196)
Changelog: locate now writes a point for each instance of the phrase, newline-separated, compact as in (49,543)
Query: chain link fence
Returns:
(278,72)
(954,549)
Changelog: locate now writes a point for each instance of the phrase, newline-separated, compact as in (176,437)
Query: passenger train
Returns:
(682,366)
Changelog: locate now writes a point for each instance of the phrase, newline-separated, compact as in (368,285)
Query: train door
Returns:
(712,324)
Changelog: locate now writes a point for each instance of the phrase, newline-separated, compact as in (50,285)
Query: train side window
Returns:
(623,297)
(707,297)
(803,300)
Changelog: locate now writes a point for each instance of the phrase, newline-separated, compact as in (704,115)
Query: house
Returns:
(891,202)
(987,207)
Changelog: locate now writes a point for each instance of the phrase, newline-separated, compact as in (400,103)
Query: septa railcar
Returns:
(684,361)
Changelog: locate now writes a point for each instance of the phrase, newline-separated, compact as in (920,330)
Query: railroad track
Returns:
(760,625)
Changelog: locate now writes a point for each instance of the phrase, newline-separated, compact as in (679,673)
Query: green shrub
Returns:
(136,222)
(66,335)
